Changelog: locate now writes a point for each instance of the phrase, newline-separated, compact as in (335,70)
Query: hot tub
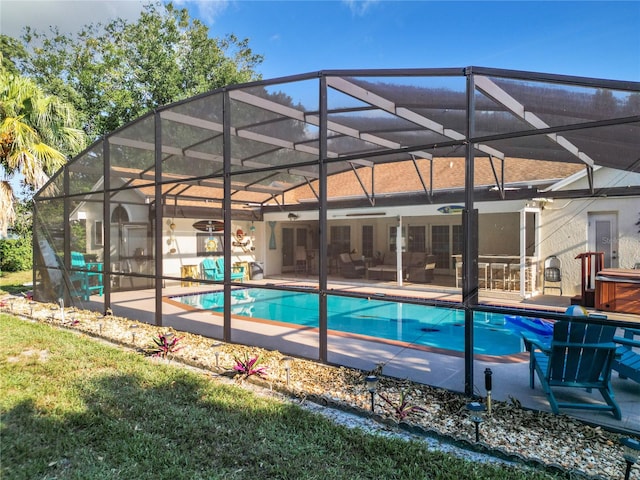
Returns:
(618,290)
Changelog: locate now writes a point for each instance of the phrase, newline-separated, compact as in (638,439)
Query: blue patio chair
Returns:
(627,361)
(85,278)
(580,355)
(214,270)
(209,270)
(237,271)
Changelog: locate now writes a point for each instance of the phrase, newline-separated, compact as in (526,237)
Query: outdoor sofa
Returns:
(416,267)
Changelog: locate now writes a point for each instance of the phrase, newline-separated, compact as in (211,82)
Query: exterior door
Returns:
(288,246)
(603,237)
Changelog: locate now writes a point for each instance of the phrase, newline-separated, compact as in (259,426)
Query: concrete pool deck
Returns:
(439,369)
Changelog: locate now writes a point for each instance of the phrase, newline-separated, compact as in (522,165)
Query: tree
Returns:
(12,50)
(116,73)
(37,134)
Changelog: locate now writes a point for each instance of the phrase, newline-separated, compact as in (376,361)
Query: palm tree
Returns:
(35,130)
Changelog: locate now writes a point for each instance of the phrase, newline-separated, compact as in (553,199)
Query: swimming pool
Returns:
(414,324)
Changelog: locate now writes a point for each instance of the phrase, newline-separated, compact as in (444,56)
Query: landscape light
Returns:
(372,383)
(478,409)
(287,366)
(487,386)
(630,454)
(216,352)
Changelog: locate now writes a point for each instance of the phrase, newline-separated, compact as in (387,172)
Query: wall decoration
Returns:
(272,237)
(209,225)
(210,244)
(451,209)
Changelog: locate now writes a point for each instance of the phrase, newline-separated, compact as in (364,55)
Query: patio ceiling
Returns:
(414,119)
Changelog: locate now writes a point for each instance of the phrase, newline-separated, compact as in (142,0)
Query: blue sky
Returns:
(599,39)
(586,38)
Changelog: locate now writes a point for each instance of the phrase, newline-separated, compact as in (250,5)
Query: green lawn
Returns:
(13,282)
(73,408)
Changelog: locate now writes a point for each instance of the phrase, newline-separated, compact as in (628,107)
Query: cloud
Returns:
(68,15)
(359,7)
(206,10)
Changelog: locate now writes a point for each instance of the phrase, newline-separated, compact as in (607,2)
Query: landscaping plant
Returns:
(163,345)
(249,366)
(402,408)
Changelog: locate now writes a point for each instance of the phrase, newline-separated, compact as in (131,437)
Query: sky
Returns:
(599,39)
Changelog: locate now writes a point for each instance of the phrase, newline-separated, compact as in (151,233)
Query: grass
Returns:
(74,408)
(13,282)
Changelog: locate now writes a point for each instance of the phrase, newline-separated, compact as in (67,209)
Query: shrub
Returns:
(163,345)
(249,366)
(16,255)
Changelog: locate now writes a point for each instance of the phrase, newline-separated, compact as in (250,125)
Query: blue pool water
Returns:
(429,326)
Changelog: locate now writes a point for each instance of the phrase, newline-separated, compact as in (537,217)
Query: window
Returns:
(367,241)
(392,238)
(417,239)
(440,245)
(98,234)
(119,215)
(457,239)
(340,240)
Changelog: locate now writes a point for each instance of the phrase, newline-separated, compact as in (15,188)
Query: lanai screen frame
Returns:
(480,85)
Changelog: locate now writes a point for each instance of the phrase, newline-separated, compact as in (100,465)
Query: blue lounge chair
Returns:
(85,278)
(237,271)
(627,361)
(214,270)
(580,355)
(209,270)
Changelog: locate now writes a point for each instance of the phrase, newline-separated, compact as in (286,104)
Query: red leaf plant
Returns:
(402,408)
(249,366)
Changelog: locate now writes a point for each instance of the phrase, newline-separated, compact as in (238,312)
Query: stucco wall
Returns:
(564,233)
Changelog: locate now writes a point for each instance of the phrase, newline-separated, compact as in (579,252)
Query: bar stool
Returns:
(498,274)
(513,276)
(483,271)
(458,273)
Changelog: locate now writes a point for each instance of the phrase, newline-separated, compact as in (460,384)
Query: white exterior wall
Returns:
(564,223)
(564,233)
(186,245)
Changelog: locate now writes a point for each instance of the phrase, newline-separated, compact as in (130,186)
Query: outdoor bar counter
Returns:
(618,290)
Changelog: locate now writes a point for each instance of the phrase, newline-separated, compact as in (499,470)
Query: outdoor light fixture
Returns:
(372,383)
(287,367)
(31,306)
(216,352)
(61,303)
(487,386)
(478,409)
(133,334)
(630,454)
